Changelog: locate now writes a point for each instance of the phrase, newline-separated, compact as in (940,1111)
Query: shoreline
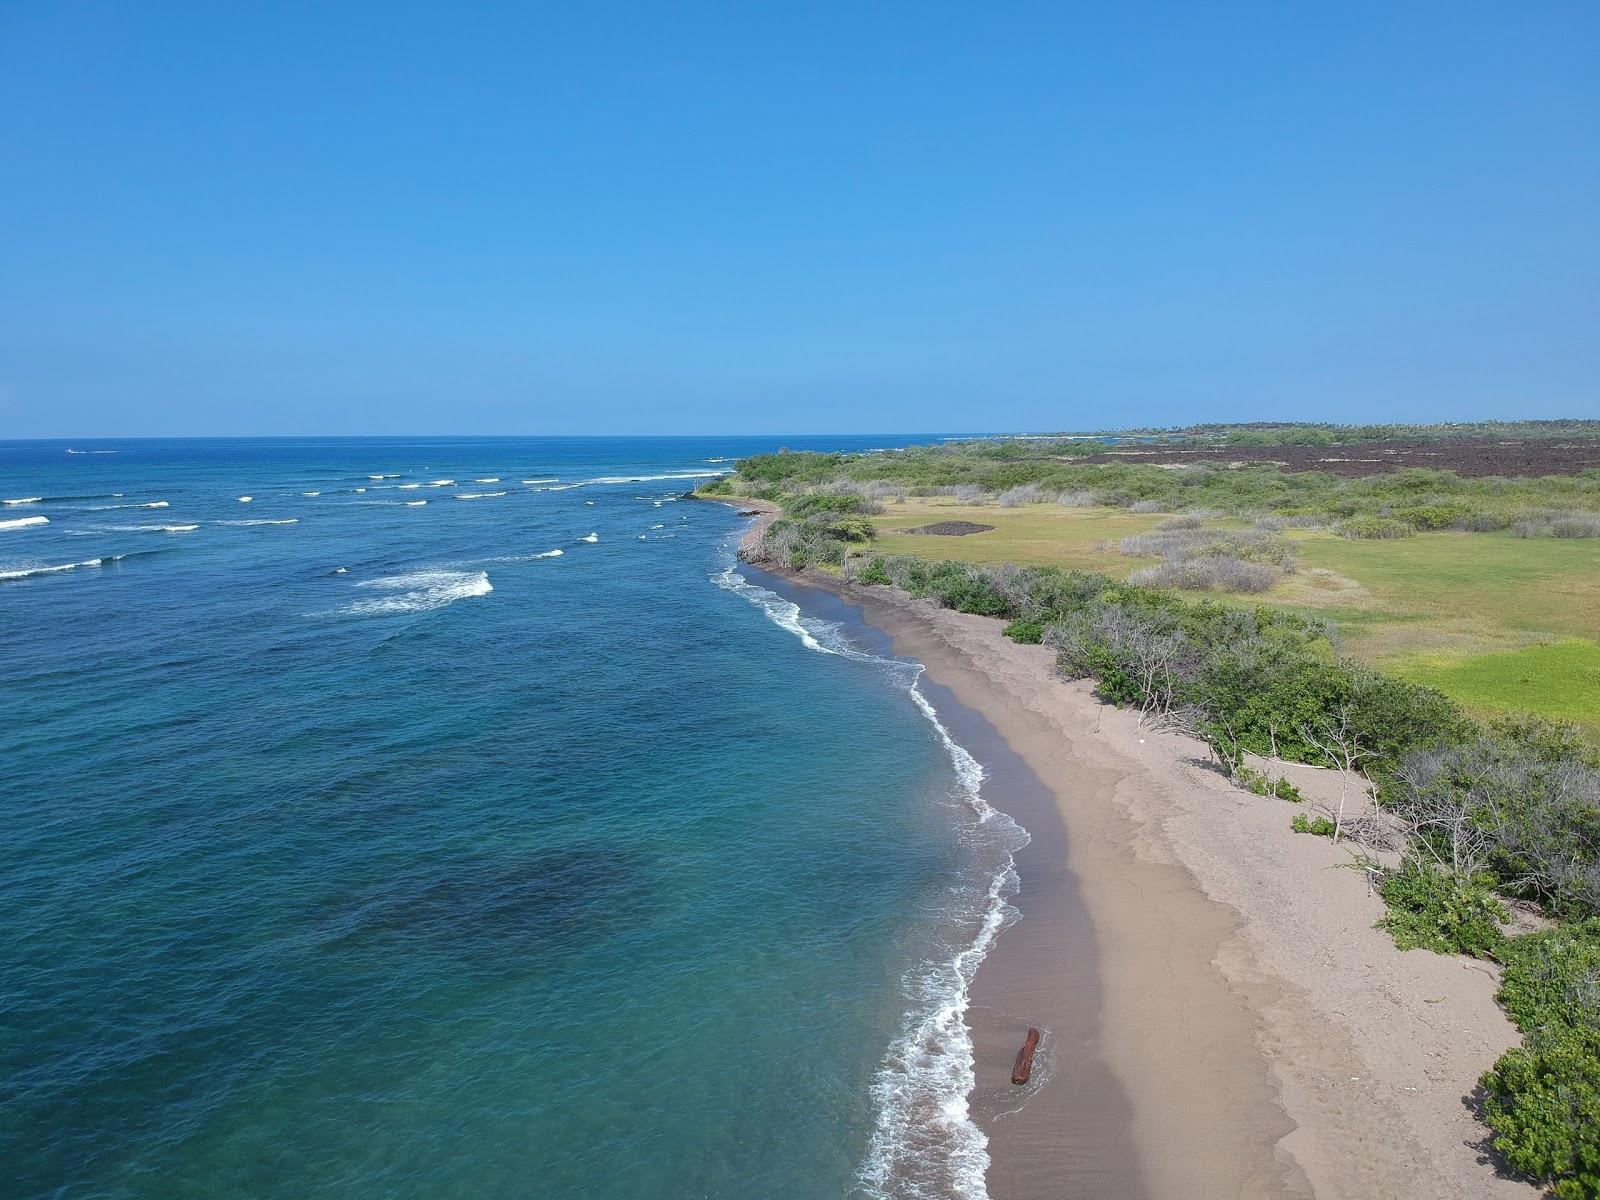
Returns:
(1267,1039)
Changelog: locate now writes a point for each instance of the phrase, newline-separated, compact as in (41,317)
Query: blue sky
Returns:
(591,218)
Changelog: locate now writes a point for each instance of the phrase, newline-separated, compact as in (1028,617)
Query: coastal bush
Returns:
(1520,800)
(1023,493)
(1078,499)
(1261,784)
(1542,1100)
(873,572)
(1553,977)
(846,528)
(1023,630)
(1179,538)
(1435,516)
(1431,908)
(1274,523)
(826,502)
(1215,572)
(1319,826)
(1374,528)
(1558,525)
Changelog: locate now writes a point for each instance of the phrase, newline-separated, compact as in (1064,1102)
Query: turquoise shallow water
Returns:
(357,847)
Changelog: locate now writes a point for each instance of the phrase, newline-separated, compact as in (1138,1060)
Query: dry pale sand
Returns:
(1263,1037)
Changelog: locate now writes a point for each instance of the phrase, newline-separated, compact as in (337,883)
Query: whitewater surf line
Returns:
(925,1141)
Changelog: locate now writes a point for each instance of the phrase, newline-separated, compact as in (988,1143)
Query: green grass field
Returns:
(1502,624)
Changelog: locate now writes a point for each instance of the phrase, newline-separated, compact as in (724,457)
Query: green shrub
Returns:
(1523,798)
(1435,516)
(1553,977)
(874,572)
(1434,909)
(1320,826)
(805,506)
(1542,1100)
(1374,528)
(850,529)
(1261,784)
(1028,632)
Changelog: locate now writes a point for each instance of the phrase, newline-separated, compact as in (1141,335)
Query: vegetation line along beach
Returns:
(1333,907)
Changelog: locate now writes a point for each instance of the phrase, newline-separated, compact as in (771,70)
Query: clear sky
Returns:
(750,217)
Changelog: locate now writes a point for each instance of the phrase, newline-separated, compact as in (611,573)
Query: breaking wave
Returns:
(649,478)
(24,522)
(30,572)
(419,591)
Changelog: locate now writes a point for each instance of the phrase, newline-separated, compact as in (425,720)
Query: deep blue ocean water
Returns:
(507,845)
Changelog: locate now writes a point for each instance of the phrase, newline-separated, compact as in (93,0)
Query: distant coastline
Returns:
(1255,1022)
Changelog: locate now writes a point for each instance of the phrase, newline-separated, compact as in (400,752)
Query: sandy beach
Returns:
(1253,1035)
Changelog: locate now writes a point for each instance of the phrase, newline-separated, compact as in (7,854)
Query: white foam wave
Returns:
(649,478)
(488,479)
(593,537)
(405,487)
(358,489)
(24,500)
(419,591)
(415,503)
(562,487)
(24,522)
(246,499)
(262,521)
(549,554)
(143,529)
(925,1142)
(555,479)
(112,507)
(30,572)
(478,495)
(311,493)
(443,483)
(396,475)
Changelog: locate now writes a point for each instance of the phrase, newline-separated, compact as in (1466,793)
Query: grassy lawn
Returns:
(1500,623)
(1560,680)
(1029,533)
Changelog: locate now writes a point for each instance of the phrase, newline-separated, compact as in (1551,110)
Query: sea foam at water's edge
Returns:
(925,1143)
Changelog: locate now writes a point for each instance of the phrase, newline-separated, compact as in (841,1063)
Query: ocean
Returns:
(456,817)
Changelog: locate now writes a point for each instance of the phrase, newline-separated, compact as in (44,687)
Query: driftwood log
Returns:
(1024,1067)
